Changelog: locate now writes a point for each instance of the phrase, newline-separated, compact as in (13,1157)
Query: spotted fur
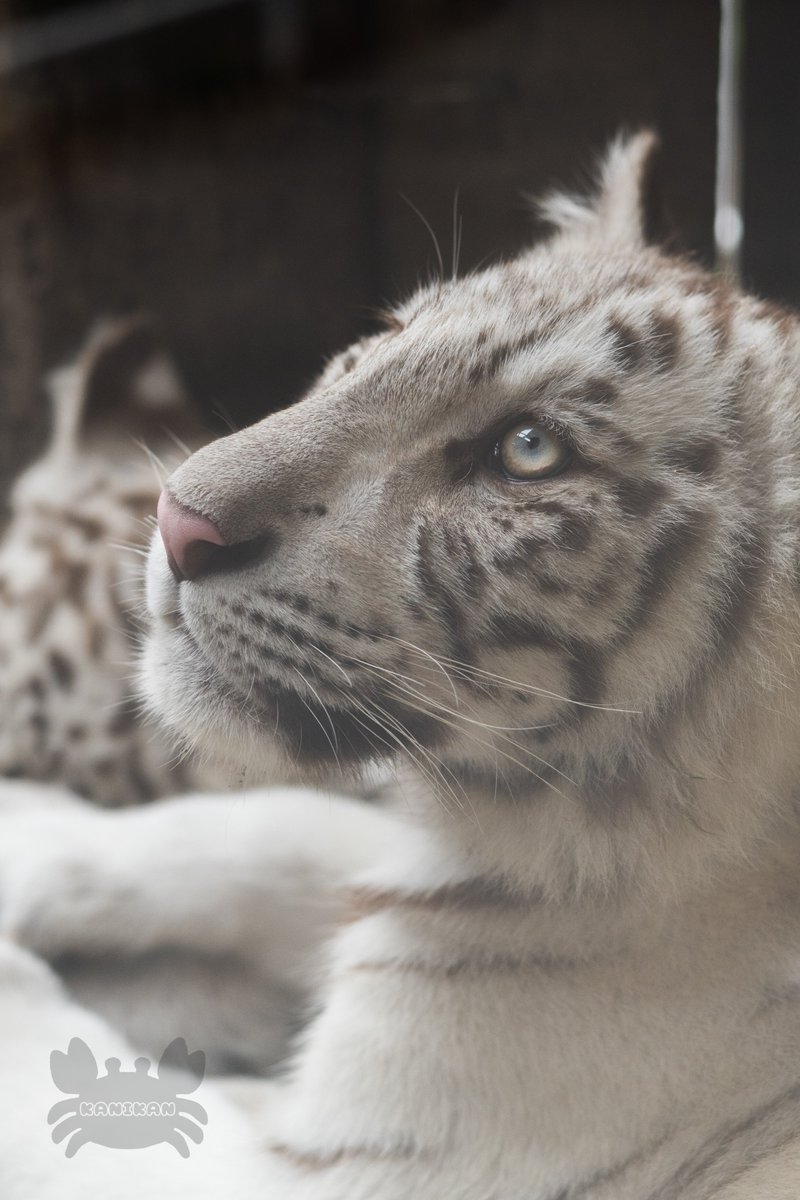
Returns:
(70,600)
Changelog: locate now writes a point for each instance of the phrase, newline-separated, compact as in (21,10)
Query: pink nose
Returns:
(190,539)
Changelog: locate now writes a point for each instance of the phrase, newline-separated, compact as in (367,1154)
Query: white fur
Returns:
(542,994)
(623,1012)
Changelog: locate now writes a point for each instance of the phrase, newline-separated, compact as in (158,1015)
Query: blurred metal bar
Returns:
(26,43)
(728,215)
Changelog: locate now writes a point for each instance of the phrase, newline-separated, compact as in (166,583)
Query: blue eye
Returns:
(529,451)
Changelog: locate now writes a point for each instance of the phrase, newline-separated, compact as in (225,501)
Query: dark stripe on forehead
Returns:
(552,319)
(626,345)
(492,360)
(722,311)
(62,669)
(665,341)
(785,321)
(624,443)
(729,405)
(629,347)
(658,345)
(597,392)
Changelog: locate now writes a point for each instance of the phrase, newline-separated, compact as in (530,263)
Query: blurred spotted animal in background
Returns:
(70,575)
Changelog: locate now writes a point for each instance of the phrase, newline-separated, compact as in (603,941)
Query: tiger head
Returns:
(533,537)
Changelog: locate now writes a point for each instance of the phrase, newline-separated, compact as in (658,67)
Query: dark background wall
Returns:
(241,173)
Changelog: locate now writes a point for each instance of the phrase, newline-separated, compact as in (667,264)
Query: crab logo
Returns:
(127,1109)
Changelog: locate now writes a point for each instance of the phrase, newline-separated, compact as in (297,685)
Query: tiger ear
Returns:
(615,212)
(122,378)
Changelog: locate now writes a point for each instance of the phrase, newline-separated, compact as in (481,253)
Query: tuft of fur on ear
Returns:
(615,213)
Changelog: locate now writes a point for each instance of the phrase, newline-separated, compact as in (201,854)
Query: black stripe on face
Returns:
(441,600)
(522,554)
(552,585)
(510,630)
(471,569)
(587,670)
(638,497)
(524,558)
(585,661)
(624,443)
(740,596)
(459,458)
(699,456)
(575,532)
(673,547)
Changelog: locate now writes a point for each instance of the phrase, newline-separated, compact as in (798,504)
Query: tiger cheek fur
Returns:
(578,638)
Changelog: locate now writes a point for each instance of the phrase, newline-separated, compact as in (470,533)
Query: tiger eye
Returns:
(529,451)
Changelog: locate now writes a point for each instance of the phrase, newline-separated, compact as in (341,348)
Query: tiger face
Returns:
(515,537)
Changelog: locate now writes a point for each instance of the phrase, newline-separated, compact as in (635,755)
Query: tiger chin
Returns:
(537,545)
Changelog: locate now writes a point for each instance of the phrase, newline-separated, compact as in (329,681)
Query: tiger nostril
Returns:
(193,543)
(195,546)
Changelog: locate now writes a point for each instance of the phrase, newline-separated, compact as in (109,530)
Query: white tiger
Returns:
(539,541)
